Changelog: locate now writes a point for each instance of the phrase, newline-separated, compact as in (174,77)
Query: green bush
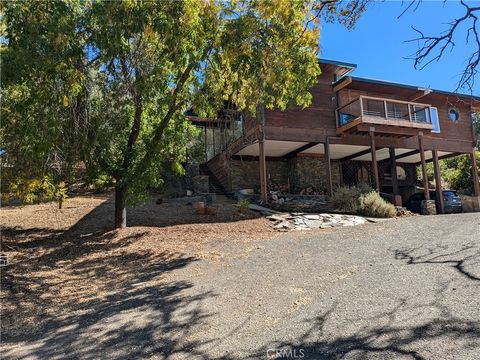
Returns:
(347,198)
(243,205)
(360,200)
(372,204)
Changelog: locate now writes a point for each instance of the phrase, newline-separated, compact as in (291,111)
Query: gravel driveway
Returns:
(398,289)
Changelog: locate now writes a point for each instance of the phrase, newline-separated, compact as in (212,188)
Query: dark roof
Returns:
(412,87)
(339,63)
(338,68)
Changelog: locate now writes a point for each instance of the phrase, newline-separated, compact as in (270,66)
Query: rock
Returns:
(210,210)
(282,225)
(300,221)
(428,207)
(313,224)
(262,209)
(201,184)
(277,217)
(200,208)
(247,191)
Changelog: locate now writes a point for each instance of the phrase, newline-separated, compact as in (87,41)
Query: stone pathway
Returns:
(301,221)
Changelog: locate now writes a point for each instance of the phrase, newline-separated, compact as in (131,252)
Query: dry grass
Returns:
(66,262)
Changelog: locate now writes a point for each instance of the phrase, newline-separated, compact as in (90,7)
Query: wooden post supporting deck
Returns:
(328,165)
(426,191)
(438,183)
(393,171)
(374,159)
(476,184)
(262,166)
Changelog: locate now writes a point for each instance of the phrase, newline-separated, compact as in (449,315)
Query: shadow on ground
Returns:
(463,260)
(92,294)
(390,335)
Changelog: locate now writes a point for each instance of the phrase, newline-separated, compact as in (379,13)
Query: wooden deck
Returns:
(389,117)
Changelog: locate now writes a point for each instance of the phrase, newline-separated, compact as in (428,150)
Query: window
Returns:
(453,115)
(401,174)
(449,194)
(362,174)
(435,121)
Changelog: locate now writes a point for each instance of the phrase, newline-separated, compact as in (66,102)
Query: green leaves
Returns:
(267,56)
(104,85)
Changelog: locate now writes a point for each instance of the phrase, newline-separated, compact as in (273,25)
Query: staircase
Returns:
(214,185)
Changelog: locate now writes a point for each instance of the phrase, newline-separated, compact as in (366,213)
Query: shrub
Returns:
(361,200)
(243,205)
(60,194)
(37,190)
(347,198)
(372,204)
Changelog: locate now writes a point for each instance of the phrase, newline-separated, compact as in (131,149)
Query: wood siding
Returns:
(319,115)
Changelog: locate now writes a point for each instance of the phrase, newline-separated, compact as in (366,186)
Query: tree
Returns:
(457,172)
(476,124)
(132,66)
(115,77)
(432,47)
(42,111)
(268,53)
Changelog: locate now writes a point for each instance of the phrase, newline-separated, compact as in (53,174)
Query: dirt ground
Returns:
(64,262)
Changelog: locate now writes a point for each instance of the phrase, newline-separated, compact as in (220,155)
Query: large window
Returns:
(435,120)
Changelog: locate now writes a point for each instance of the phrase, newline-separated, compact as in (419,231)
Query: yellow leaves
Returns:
(191,13)
(65,101)
(311,37)
(149,34)
(129,4)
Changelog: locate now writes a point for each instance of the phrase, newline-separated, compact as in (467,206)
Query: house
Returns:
(355,130)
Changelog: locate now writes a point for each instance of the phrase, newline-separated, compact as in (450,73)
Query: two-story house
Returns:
(355,129)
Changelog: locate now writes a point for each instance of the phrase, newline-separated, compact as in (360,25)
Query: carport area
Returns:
(389,169)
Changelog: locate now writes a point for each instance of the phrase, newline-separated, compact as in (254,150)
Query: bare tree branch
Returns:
(432,48)
(412,2)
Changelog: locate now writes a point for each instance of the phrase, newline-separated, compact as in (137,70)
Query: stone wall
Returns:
(246,174)
(299,172)
(312,171)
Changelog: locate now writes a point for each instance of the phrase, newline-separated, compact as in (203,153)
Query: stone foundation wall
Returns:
(246,174)
(470,203)
(300,172)
(312,171)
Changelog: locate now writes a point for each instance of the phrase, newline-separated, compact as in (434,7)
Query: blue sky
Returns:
(377,44)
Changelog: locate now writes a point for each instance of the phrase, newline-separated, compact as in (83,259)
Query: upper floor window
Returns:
(434,119)
(453,115)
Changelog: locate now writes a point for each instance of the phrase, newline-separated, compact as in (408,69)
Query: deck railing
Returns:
(388,109)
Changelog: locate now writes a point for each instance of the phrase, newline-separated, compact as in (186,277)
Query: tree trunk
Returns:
(120,207)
